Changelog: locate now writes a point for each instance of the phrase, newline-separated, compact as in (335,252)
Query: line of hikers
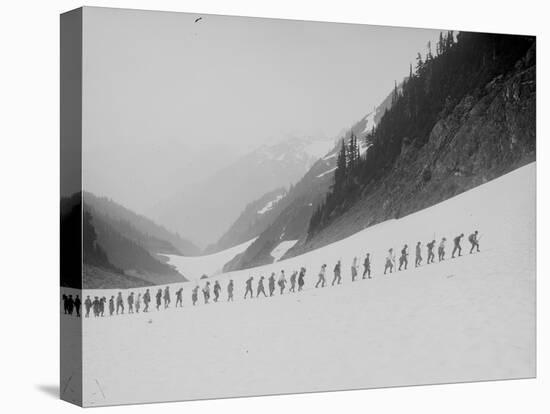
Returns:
(163,298)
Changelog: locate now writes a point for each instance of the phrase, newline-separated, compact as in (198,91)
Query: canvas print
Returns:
(261,206)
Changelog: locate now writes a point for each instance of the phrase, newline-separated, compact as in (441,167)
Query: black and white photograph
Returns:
(276,206)
(271,206)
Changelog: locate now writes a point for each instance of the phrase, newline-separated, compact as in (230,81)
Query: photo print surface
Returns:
(273,206)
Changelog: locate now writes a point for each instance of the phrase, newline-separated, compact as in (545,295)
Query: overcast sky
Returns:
(167,99)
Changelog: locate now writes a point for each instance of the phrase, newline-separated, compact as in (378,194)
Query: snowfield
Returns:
(467,319)
(282,248)
(193,267)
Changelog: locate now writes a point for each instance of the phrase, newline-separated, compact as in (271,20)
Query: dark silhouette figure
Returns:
(206,292)
(102,302)
(474,241)
(337,274)
(195,295)
(95,305)
(77,304)
(146,301)
(457,247)
(159,298)
(88,306)
(70,304)
(271,281)
(322,280)
(248,288)
(260,288)
(418,255)
(65,304)
(230,287)
(301,277)
(293,281)
(366,266)
(431,255)
(403,260)
(217,289)
(441,249)
(119,304)
(131,303)
(111,306)
(166,297)
(179,298)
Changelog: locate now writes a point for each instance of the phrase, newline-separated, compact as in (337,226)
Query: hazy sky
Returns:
(167,99)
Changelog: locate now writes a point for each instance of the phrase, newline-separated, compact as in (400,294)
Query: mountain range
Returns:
(464,117)
(206,210)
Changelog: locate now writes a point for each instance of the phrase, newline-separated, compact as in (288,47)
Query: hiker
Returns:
(70,304)
(87,305)
(403,258)
(337,275)
(260,288)
(431,255)
(474,241)
(111,306)
(206,292)
(457,246)
(441,249)
(146,300)
(158,296)
(282,281)
(248,288)
(179,299)
(366,266)
(95,305)
(77,304)
(301,281)
(65,303)
(195,295)
(418,255)
(271,284)
(102,306)
(322,279)
(390,260)
(167,297)
(293,281)
(217,289)
(138,302)
(230,291)
(354,269)
(119,303)
(131,303)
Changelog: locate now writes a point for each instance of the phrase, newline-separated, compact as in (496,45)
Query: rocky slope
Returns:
(488,133)
(289,218)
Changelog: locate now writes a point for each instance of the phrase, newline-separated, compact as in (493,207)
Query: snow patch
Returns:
(193,267)
(270,204)
(282,248)
(326,172)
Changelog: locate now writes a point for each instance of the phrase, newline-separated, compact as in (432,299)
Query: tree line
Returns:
(462,65)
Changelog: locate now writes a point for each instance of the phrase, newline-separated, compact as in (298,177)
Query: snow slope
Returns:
(282,248)
(467,319)
(212,264)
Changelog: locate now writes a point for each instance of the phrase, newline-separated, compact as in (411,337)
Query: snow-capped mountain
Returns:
(197,213)
(288,219)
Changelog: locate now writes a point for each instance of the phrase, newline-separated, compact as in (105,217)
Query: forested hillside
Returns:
(465,115)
